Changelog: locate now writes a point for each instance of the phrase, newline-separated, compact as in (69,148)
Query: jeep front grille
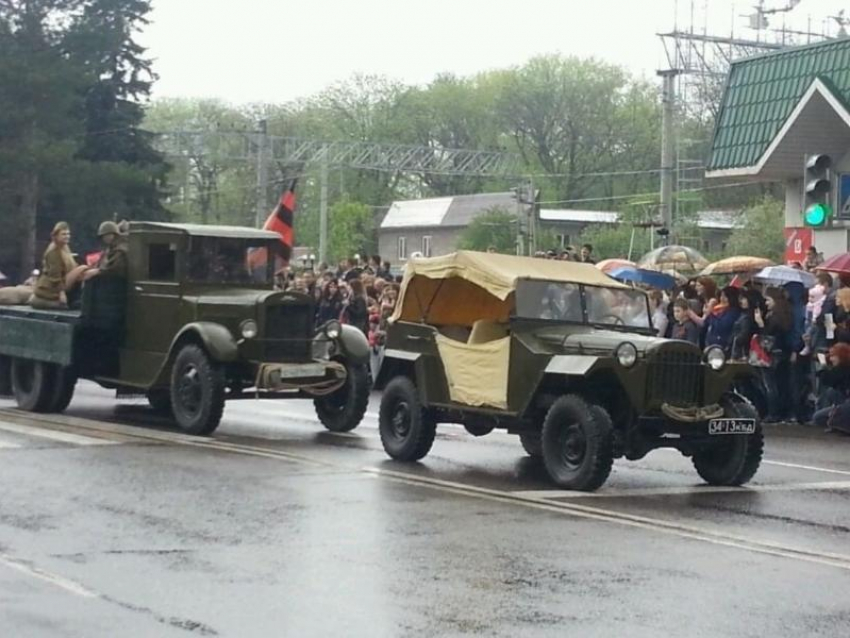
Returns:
(288,333)
(674,377)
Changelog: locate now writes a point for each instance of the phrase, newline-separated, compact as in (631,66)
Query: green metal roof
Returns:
(762,92)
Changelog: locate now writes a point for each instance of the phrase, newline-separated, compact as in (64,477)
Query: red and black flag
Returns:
(281,222)
(282,218)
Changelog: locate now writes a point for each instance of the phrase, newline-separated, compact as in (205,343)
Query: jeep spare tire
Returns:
(407,432)
(577,444)
(343,410)
(197,391)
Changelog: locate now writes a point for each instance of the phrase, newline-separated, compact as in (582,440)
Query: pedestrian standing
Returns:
(776,327)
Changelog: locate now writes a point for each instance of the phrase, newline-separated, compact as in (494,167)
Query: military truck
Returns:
(566,358)
(197,322)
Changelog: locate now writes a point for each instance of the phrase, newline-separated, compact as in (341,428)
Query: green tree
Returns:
(496,227)
(761,231)
(351,229)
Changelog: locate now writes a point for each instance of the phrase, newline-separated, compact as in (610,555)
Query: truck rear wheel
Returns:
(65,382)
(578,444)
(407,432)
(735,459)
(33,384)
(343,410)
(197,391)
(5,377)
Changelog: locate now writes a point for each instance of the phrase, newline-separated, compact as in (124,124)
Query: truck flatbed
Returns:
(63,316)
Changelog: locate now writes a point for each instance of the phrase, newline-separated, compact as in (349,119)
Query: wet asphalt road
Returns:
(277,528)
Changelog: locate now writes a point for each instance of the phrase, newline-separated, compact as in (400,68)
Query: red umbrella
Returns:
(839,264)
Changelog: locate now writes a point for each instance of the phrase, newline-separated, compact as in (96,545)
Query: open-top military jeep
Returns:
(563,356)
(197,322)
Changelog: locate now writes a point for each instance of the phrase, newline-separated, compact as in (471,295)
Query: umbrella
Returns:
(650,278)
(607,265)
(839,264)
(679,259)
(781,275)
(736,265)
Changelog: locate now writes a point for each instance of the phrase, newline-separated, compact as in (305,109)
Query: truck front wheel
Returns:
(342,411)
(197,391)
(33,384)
(734,459)
(407,431)
(578,444)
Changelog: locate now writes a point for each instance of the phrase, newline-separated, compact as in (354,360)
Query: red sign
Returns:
(797,243)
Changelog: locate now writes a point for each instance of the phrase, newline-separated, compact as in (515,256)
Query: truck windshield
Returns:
(568,302)
(223,260)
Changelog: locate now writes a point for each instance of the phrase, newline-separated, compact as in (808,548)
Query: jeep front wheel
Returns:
(735,458)
(577,444)
(160,400)
(407,432)
(197,391)
(343,410)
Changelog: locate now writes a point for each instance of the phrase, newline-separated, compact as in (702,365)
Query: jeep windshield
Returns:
(231,261)
(574,303)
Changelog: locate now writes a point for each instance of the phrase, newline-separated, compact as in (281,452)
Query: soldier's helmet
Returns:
(107,228)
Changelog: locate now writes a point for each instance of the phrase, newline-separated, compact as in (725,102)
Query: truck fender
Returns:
(352,344)
(218,340)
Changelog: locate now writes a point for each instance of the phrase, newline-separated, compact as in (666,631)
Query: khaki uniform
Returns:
(56,265)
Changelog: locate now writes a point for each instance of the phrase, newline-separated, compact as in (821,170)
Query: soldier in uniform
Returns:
(113,259)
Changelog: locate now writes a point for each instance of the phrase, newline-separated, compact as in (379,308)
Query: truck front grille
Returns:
(674,377)
(288,332)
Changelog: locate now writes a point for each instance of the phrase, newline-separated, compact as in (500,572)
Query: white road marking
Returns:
(54,579)
(679,491)
(812,468)
(8,445)
(54,435)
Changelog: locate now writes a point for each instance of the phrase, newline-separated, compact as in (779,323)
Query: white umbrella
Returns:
(781,275)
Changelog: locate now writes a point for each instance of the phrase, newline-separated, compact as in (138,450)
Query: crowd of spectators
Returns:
(362,293)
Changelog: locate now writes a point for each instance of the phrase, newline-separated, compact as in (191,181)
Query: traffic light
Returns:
(817,206)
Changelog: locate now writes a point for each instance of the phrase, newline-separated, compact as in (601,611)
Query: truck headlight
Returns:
(248,329)
(333,329)
(715,357)
(626,354)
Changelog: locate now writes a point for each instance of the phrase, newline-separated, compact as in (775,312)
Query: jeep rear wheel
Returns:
(407,432)
(160,400)
(735,459)
(197,391)
(343,410)
(33,384)
(577,444)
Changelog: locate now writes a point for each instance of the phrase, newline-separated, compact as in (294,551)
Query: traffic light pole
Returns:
(668,144)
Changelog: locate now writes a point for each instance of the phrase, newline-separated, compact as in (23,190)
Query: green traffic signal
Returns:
(817,214)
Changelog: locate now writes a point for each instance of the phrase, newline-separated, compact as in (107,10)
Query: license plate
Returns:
(301,370)
(732,426)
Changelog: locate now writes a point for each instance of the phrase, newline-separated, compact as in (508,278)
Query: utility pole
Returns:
(668,144)
(262,174)
(323,208)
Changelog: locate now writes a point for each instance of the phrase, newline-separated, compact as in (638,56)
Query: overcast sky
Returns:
(279,50)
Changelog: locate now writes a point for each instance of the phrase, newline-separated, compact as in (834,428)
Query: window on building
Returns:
(402,248)
(426,246)
(563,241)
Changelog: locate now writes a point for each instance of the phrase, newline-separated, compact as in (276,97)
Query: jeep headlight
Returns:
(715,357)
(626,354)
(248,329)
(333,329)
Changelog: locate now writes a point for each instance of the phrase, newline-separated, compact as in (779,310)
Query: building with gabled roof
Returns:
(780,108)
